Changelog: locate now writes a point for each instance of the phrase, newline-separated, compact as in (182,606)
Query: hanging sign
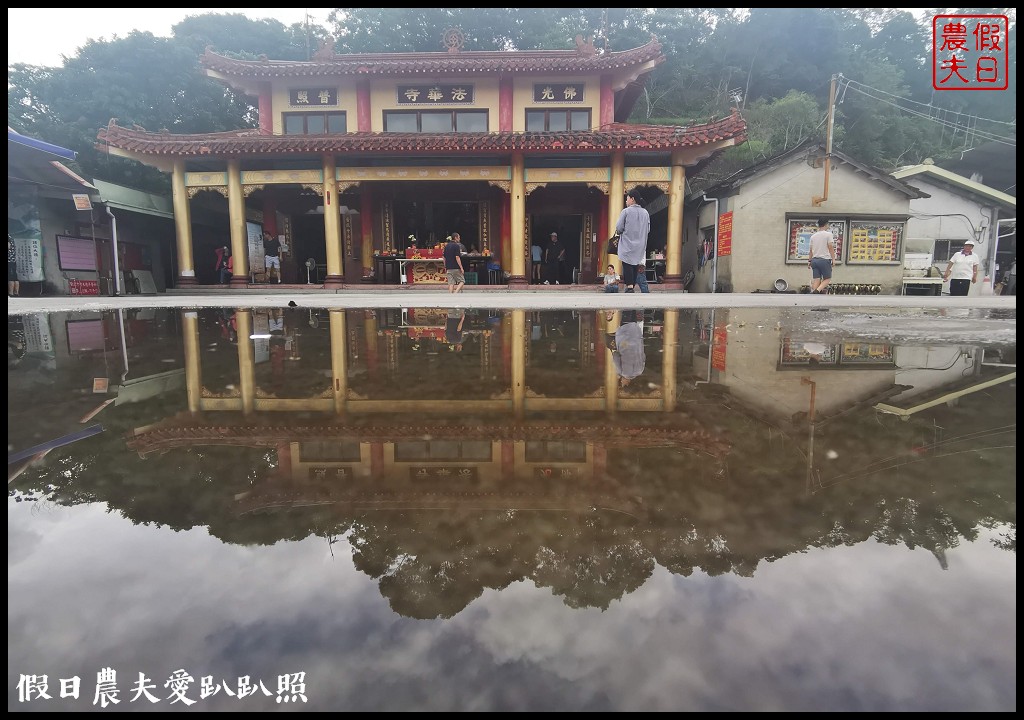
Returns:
(82,201)
(725,234)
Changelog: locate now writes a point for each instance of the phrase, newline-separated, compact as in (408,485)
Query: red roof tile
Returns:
(416,64)
(616,136)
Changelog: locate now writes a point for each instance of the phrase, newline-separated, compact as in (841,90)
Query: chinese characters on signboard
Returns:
(442,472)
(725,234)
(719,342)
(558,92)
(319,97)
(461,94)
(970,52)
(29,255)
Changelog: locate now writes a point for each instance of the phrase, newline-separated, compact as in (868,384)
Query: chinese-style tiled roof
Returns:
(615,136)
(432,64)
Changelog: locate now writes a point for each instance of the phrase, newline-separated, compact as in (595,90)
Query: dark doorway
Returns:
(570,236)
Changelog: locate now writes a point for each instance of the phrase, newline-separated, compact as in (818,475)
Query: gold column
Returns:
(674,241)
(332,225)
(236,222)
(193,366)
(339,361)
(611,375)
(616,202)
(246,360)
(518,265)
(669,353)
(518,362)
(182,225)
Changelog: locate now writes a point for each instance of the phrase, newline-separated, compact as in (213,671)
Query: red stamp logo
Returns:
(970,52)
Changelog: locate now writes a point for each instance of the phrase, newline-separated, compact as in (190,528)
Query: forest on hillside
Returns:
(776,65)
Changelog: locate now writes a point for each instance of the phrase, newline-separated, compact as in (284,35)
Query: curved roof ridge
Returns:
(615,136)
(464,61)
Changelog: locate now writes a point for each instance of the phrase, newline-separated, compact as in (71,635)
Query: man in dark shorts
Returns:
(822,257)
(453,264)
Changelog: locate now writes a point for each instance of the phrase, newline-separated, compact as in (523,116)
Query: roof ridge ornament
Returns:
(326,49)
(586,47)
(454,40)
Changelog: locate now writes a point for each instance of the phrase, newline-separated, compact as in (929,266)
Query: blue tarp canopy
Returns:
(16,137)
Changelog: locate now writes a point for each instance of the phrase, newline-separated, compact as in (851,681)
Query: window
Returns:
(329,451)
(442,450)
(559,451)
(314,123)
(550,120)
(942,251)
(435,121)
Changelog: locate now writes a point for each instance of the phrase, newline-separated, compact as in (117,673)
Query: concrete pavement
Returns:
(494,299)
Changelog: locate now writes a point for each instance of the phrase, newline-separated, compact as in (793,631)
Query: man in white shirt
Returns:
(962,270)
(823,255)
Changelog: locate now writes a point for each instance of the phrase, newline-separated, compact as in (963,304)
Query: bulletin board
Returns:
(800,231)
(874,242)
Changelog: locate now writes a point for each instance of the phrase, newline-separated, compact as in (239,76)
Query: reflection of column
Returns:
(332,225)
(246,360)
(182,225)
(611,375)
(372,350)
(616,201)
(339,360)
(674,239)
(518,362)
(518,264)
(236,223)
(506,347)
(193,366)
(669,353)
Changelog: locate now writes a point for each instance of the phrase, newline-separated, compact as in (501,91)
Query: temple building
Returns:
(363,164)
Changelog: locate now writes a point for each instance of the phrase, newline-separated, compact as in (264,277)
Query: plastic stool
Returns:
(471,278)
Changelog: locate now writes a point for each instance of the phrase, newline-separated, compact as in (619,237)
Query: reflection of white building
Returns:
(956,209)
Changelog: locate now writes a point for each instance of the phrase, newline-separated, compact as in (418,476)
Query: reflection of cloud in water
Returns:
(798,635)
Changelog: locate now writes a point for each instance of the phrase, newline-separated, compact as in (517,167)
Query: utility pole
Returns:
(816,201)
(308,56)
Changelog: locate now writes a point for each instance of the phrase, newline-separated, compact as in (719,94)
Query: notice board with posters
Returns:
(254,239)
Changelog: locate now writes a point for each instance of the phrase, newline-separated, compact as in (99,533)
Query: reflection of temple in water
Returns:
(384,395)
(455,453)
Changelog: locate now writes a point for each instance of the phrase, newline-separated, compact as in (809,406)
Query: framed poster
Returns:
(254,237)
(800,231)
(875,242)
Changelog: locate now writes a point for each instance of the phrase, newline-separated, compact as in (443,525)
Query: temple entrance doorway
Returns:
(570,236)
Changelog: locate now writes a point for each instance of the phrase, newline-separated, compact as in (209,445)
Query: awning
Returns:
(16,137)
(125,198)
(33,162)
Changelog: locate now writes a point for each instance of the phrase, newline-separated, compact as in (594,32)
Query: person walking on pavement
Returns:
(822,257)
(962,270)
(453,264)
(633,226)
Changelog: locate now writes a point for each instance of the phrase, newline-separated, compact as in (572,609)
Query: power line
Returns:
(848,81)
(967,128)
